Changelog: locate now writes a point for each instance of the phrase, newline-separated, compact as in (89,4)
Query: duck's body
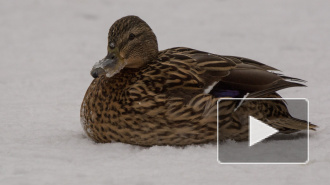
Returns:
(170,97)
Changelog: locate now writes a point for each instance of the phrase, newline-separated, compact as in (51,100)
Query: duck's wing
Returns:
(195,72)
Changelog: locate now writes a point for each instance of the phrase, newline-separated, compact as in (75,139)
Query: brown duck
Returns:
(147,97)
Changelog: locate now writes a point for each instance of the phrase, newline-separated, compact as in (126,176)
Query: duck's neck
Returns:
(116,85)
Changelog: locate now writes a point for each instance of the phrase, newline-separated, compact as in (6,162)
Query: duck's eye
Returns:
(131,36)
(112,45)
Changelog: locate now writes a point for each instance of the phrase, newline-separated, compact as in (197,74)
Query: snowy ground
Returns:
(47,49)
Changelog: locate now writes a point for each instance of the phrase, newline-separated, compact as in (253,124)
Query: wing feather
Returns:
(227,74)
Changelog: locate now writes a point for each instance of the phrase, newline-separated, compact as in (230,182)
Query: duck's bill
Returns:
(108,66)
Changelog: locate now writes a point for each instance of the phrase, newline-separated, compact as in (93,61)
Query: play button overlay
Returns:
(259,131)
(262,131)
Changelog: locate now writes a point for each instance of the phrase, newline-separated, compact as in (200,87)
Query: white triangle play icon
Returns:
(259,131)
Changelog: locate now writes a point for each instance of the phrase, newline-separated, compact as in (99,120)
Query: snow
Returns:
(48,48)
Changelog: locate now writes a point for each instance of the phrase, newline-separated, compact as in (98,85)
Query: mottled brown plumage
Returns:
(145,97)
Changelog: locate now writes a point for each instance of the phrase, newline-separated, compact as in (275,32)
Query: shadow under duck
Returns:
(147,97)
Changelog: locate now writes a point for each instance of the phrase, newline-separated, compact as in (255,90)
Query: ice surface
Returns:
(47,50)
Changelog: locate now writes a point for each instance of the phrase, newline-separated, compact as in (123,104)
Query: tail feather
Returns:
(290,125)
(282,84)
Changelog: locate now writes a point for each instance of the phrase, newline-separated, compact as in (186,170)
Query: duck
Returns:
(143,96)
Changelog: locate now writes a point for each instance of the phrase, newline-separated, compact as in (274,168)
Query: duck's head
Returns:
(131,44)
